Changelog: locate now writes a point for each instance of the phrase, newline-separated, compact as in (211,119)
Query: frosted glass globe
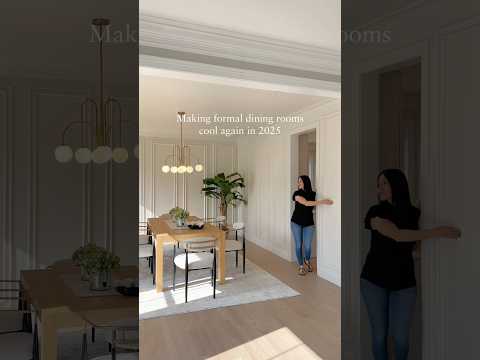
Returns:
(173,169)
(120,155)
(83,155)
(189,169)
(135,151)
(102,154)
(198,167)
(182,169)
(63,153)
(165,168)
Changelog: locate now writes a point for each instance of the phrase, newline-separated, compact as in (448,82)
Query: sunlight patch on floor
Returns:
(281,344)
(197,289)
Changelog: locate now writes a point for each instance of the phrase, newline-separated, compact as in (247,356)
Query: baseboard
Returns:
(330,275)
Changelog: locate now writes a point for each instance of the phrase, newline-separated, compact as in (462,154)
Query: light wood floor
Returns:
(301,327)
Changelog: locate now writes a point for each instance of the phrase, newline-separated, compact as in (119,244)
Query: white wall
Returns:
(266,163)
(446,45)
(159,192)
(49,209)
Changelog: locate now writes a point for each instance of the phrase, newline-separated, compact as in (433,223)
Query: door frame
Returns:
(429,167)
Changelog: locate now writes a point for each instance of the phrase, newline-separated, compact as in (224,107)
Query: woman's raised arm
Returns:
(389,229)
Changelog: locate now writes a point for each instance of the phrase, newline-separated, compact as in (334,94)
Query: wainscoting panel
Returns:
(6,246)
(50,111)
(159,192)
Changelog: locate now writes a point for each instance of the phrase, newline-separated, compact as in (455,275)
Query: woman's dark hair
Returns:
(399,185)
(307,184)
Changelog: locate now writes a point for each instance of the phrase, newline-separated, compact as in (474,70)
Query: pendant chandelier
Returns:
(180,161)
(106,111)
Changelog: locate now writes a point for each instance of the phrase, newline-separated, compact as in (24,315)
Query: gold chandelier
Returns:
(180,161)
(107,112)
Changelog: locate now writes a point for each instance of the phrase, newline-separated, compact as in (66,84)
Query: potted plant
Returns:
(173,211)
(101,270)
(226,190)
(96,264)
(180,215)
(80,258)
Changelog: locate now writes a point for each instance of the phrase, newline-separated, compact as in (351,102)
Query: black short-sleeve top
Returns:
(303,215)
(389,263)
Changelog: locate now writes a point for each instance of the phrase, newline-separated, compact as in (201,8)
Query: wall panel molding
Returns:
(180,186)
(6,118)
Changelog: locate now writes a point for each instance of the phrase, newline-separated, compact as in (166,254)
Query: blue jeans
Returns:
(303,236)
(390,312)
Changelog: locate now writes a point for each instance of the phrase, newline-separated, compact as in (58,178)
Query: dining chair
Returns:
(120,337)
(219,220)
(18,343)
(143,228)
(236,245)
(146,251)
(199,254)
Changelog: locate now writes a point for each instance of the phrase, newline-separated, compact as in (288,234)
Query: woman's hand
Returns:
(377,222)
(325,202)
(449,232)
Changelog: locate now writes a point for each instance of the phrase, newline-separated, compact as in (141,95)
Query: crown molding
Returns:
(195,71)
(179,35)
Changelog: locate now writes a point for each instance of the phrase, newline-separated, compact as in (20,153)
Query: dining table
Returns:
(164,232)
(57,306)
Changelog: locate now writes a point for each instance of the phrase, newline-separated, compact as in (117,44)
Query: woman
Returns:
(302,222)
(388,284)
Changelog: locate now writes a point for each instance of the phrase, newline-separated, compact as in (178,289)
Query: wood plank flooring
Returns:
(303,327)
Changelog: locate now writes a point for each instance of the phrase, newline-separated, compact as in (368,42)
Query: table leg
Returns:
(221,256)
(48,336)
(159,263)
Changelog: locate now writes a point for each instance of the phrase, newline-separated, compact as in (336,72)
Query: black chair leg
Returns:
(186,276)
(214,273)
(36,347)
(174,267)
(174,275)
(244,261)
(236,258)
(84,346)
(93,334)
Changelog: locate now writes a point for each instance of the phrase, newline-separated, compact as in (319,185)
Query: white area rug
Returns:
(256,285)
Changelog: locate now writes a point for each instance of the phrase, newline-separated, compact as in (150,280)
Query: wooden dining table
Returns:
(164,233)
(58,307)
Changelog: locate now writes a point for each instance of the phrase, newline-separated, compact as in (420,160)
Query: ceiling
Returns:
(161,98)
(311,22)
(52,38)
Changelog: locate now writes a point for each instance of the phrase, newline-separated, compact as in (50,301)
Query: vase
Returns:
(101,280)
(84,274)
(180,222)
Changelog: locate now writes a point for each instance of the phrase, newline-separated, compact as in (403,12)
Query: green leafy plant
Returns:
(173,211)
(94,259)
(179,213)
(226,189)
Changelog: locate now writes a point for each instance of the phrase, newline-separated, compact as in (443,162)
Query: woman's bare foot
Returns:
(302,271)
(308,266)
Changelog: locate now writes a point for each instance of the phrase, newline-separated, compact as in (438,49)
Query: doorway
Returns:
(391,127)
(303,155)
(307,165)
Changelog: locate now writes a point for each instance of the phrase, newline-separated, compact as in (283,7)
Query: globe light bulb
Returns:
(173,169)
(102,154)
(198,167)
(165,169)
(83,155)
(189,169)
(63,153)
(120,155)
(182,169)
